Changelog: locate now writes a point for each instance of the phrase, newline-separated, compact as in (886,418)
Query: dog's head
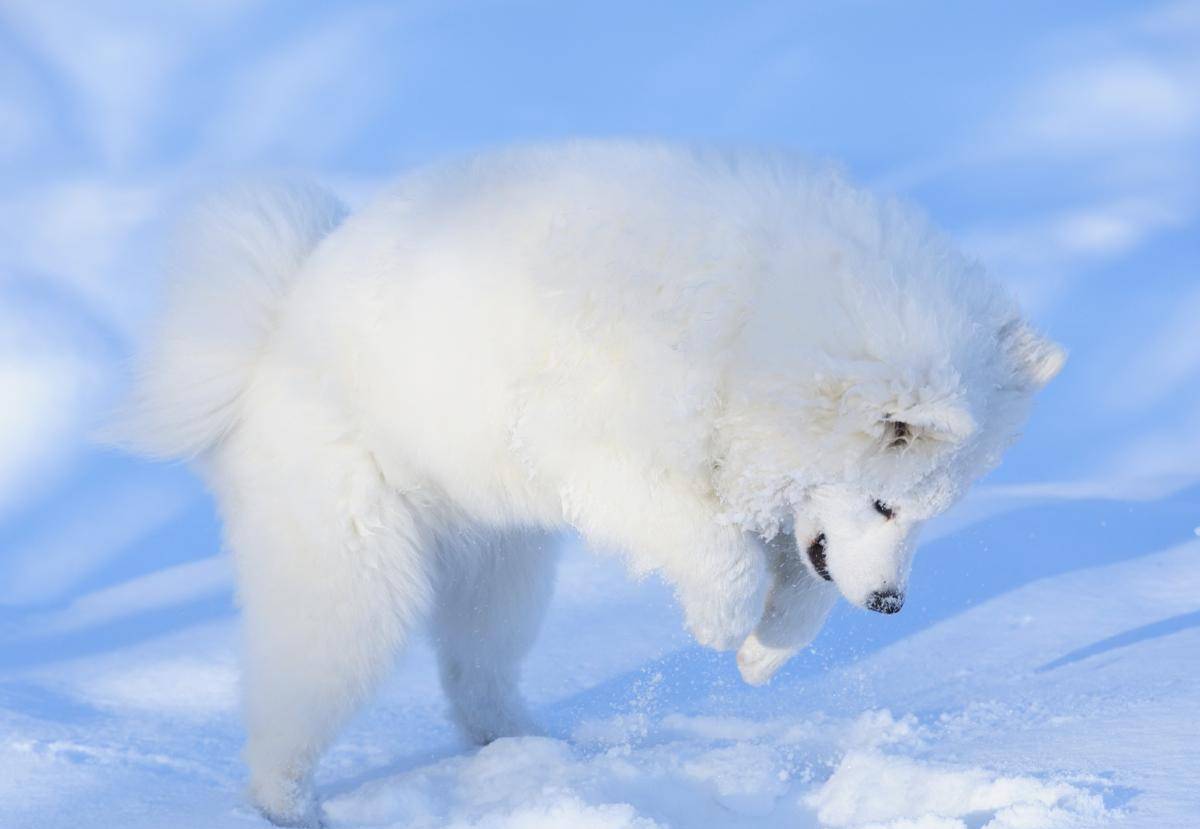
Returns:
(875,374)
(854,456)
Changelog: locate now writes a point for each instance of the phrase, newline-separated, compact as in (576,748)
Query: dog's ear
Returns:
(944,422)
(1035,359)
(907,406)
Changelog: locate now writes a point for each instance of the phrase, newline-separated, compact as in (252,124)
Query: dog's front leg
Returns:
(722,587)
(796,608)
(719,573)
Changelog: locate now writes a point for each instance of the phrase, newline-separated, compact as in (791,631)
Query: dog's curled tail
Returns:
(236,257)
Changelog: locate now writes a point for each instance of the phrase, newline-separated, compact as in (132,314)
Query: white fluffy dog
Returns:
(695,358)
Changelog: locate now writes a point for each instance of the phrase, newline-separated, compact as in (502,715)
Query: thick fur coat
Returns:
(739,372)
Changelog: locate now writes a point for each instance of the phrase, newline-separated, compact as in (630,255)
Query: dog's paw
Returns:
(719,632)
(722,622)
(284,801)
(757,662)
(483,727)
(722,604)
(312,818)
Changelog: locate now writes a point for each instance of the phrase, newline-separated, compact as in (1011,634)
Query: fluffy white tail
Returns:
(236,259)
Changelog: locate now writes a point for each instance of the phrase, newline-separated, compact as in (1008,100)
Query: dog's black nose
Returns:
(886,601)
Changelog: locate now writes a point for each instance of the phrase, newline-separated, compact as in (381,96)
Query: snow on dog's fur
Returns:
(743,373)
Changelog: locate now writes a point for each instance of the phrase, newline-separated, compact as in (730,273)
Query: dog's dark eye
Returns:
(884,510)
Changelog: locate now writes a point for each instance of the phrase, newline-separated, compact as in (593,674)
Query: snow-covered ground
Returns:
(1067,702)
(1044,671)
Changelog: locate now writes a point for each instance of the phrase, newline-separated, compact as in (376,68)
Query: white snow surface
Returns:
(1054,705)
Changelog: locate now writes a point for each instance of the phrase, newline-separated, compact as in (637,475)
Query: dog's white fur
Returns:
(693,357)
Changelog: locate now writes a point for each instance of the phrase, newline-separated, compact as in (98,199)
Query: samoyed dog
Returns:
(741,372)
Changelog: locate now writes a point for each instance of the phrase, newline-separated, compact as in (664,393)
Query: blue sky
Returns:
(1060,142)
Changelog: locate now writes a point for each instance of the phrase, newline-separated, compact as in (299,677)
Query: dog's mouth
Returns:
(881,601)
(816,556)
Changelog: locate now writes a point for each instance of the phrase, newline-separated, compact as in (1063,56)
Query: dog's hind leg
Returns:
(491,596)
(797,606)
(332,573)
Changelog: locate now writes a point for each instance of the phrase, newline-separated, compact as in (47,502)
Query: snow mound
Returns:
(871,790)
(862,773)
